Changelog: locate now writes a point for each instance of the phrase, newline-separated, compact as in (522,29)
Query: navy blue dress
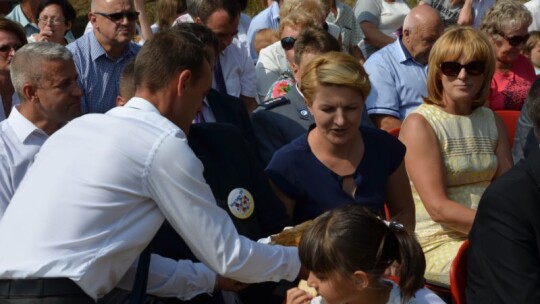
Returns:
(296,171)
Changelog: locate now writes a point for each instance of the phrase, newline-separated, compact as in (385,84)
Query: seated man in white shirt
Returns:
(45,79)
(237,77)
(107,182)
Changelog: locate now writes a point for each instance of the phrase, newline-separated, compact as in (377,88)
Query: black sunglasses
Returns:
(287,43)
(452,69)
(131,16)
(514,40)
(8,48)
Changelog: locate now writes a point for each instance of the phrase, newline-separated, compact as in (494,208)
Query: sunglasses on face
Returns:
(287,43)
(514,40)
(115,17)
(452,69)
(8,48)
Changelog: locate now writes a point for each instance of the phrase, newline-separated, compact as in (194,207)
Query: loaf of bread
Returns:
(291,236)
(305,287)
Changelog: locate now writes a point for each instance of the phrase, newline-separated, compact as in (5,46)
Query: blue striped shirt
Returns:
(99,75)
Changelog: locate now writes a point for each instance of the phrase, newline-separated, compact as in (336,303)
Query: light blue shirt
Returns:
(17,15)
(267,18)
(20,140)
(398,83)
(99,75)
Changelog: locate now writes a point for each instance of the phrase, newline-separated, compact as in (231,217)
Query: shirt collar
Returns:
(22,127)
(96,50)
(142,104)
(274,9)
(406,52)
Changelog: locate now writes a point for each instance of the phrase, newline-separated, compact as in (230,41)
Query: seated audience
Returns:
(379,21)
(455,146)
(234,71)
(337,161)
(264,38)
(274,60)
(504,250)
(12,38)
(25,14)
(532,50)
(453,12)
(398,71)
(55,19)
(506,25)
(347,252)
(45,79)
(342,15)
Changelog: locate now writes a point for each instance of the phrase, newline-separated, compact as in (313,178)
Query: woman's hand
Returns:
(44,36)
(298,296)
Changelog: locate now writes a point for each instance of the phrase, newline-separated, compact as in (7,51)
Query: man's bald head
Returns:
(422,15)
(421,28)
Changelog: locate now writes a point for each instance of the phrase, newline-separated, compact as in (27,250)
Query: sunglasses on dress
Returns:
(452,69)
(287,43)
(514,40)
(115,17)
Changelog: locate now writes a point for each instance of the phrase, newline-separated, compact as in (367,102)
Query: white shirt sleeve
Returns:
(168,278)
(175,181)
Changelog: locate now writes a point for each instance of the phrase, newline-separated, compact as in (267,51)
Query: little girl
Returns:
(347,251)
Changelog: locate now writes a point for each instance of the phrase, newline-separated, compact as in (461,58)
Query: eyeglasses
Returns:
(8,48)
(52,21)
(514,40)
(452,69)
(287,43)
(115,17)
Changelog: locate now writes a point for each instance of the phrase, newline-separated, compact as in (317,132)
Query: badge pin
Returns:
(304,114)
(241,203)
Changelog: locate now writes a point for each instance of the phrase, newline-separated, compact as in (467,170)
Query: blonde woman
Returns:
(455,146)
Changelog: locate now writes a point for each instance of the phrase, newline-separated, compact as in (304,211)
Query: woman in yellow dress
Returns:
(455,146)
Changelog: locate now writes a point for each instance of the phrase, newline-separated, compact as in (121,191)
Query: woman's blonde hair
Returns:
(315,8)
(167,11)
(334,69)
(454,44)
(298,20)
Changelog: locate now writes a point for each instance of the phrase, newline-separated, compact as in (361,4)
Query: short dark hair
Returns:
(351,238)
(13,27)
(67,9)
(165,55)
(205,8)
(533,103)
(314,40)
(200,31)
(127,83)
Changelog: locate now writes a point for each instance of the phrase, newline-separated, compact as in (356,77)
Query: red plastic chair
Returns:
(509,119)
(458,275)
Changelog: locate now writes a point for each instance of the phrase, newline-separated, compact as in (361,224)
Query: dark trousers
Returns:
(42,291)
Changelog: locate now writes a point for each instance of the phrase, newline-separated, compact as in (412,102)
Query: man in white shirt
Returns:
(45,79)
(237,76)
(102,185)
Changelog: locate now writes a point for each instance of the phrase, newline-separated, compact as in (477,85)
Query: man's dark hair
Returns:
(165,55)
(205,8)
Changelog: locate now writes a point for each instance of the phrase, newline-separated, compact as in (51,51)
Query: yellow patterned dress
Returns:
(468,146)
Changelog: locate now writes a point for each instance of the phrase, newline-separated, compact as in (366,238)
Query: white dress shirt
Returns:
(238,70)
(98,192)
(20,140)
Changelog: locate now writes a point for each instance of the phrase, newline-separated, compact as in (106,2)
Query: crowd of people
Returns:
(149,162)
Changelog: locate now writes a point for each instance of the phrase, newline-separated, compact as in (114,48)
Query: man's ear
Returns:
(361,280)
(30,92)
(120,101)
(294,69)
(197,20)
(184,79)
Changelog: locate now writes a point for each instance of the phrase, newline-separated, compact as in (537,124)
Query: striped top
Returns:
(467,144)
